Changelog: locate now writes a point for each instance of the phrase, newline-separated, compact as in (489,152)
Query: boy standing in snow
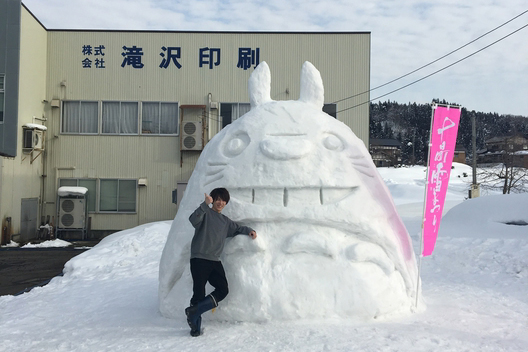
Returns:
(211,230)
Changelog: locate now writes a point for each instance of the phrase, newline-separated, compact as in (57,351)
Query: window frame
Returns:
(138,119)
(160,103)
(119,133)
(118,196)
(330,109)
(79,118)
(221,119)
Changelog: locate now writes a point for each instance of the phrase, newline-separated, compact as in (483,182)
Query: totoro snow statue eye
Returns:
(330,243)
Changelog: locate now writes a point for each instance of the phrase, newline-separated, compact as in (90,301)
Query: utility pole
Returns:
(474,192)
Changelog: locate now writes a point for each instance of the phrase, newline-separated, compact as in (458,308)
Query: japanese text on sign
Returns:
(442,148)
(133,56)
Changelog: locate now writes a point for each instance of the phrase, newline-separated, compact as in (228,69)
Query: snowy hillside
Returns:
(474,287)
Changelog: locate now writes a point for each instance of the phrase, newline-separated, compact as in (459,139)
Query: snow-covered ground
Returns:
(475,287)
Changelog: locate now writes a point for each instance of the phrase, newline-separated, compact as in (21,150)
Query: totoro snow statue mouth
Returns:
(330,243)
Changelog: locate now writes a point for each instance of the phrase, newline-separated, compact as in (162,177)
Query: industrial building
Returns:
(125,114)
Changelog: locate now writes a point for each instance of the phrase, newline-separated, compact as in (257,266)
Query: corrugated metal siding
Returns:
(342,58)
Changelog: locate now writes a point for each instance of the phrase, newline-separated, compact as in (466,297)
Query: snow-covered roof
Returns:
(35,126)
(71,191)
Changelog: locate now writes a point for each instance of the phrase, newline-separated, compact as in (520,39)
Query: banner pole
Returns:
(433,105)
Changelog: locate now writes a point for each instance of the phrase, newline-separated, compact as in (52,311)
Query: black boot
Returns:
(194,313)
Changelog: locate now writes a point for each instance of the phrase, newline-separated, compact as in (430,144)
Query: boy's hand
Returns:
(253,234)
(208,199)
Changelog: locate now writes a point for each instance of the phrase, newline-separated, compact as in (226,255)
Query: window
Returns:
(159,118)
(232,111)
(90,184)
(120,117)
(1,99)
(118,196)
(330,109)
(79,117)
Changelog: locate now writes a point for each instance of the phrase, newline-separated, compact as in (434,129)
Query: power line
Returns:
(432,62)
(435,72)
(424,66)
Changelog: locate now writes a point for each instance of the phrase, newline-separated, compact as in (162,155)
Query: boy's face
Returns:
(219,204)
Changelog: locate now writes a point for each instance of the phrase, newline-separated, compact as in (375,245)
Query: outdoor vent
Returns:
(33,140)
(71,213)
(192,135)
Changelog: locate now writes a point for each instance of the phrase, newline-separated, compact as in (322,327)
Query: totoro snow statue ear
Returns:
(312,90)
(259,85)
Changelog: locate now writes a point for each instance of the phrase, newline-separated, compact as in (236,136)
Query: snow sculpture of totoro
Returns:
(330,241)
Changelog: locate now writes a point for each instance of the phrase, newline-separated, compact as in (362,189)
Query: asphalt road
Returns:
(22,269)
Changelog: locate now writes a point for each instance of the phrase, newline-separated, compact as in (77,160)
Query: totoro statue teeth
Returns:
(291,196)
(330,242)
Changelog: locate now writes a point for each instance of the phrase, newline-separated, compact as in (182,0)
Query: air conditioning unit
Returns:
(191,135)
(33,140)
(72,213)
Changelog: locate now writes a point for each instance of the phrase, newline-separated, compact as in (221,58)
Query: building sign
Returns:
(171,57)
(170,54)
(93,56)
(132,57)
(248,57)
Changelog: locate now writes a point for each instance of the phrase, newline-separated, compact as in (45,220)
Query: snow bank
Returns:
(134,252)
(12,244)
(500,216)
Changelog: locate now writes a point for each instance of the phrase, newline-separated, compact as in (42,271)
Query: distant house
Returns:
(385,152)
(505,149)
(460,154)
(513,143)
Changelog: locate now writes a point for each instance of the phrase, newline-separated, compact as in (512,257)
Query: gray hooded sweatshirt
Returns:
(210,232)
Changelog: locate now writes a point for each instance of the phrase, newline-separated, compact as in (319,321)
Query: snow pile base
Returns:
(49,244)
(12,244)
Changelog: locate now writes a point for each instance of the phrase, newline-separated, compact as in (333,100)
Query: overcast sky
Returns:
(405,35)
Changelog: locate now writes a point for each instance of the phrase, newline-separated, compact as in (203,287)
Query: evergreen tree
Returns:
(411,124)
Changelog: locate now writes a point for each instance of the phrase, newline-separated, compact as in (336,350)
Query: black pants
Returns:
(203,271)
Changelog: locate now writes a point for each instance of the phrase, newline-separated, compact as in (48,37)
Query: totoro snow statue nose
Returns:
(286,147)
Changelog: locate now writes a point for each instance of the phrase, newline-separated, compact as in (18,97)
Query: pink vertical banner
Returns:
(443,140)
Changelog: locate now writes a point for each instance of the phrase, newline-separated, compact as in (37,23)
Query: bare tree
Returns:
(505,176)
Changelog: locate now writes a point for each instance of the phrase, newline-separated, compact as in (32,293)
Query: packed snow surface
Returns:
(330,241)
(474,285)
